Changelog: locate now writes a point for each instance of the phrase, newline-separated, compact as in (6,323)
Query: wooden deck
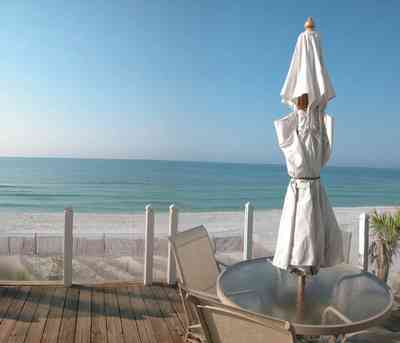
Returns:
(41,314)
(113,313)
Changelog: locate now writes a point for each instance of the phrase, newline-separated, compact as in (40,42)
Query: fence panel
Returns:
(31,247)
(108,247)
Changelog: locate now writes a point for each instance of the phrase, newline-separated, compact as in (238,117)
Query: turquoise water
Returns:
(126,186)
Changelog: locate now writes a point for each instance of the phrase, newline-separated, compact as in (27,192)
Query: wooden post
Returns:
(173,228)
(68,244)
(35,245)
(363,241)
(248,231)
(149,246)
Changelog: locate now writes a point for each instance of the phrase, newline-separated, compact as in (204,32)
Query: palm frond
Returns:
(385,229)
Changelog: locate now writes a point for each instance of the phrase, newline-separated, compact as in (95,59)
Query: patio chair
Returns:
(226,324)
(197,268)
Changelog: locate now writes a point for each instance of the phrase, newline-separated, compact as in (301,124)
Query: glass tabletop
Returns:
(336,297)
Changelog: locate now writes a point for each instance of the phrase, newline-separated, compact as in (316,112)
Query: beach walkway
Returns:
(108,313)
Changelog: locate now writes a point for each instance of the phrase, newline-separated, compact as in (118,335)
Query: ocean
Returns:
(125,186)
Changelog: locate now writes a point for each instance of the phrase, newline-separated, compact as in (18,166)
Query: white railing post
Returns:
(149,246)
(68,244)
(248,231)
(173,228)
(363,241)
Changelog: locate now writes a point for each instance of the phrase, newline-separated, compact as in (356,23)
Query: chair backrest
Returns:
(195,259)
(346,239)
(226,324)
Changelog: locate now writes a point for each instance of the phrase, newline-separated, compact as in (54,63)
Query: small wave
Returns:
(8,186)
(119,183)
(39,195)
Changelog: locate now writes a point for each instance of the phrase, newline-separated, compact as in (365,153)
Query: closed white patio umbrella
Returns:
(309,236)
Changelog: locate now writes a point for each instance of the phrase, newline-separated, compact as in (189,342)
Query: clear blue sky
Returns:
(190,80)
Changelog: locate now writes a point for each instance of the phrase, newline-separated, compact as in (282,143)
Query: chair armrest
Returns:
(212,297)
(221,264)
(335,312)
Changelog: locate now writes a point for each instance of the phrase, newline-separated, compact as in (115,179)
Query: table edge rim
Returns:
(308,329)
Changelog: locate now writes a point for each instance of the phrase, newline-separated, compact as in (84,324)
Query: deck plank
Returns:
(7,297)
(114,327)
(39,320)
(144,327)
(68,322)
(99,323)
(53,323)
(25,317)
(83,325)
(173,324)
(128,318)
(157,321)
(172,294)
(128,313)
(10,320)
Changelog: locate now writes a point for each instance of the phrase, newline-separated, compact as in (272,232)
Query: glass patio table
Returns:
(338,300)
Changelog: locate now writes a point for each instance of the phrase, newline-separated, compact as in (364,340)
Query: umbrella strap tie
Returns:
(305,178)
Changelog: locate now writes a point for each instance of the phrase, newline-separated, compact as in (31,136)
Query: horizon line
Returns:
(187,161)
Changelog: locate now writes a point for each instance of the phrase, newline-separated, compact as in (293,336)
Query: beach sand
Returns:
(265,222)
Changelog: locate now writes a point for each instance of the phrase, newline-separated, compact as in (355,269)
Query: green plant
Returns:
(386,233)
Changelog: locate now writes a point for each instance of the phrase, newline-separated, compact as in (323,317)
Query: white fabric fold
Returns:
(309,236)
(308,74)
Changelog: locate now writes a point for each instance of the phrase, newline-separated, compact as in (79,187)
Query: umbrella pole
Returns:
(302,104)
(301,284)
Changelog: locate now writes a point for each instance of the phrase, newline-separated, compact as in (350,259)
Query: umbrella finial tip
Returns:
(309,24)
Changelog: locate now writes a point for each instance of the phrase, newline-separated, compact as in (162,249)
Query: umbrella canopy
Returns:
(309,236)
(307,73)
